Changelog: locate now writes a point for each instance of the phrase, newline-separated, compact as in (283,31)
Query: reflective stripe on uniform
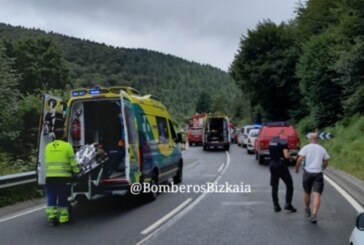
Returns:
(60,159)
(58,173)
(58,164)
(63,215)
(51,212)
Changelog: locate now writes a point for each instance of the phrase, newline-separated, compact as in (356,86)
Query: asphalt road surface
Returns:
(194,218)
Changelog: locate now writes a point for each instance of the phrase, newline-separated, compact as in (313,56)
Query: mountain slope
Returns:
(177,82)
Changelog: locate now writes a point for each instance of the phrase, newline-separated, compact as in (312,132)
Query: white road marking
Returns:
(22,213)
(183,212)
(166,217)
(346,195)
(220,169)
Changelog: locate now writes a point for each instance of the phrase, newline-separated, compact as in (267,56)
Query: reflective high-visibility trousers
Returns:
(57,205)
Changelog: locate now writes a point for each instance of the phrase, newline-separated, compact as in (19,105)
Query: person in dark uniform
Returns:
(279,156)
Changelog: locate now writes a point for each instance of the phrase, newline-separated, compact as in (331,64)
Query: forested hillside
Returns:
(177,82)
(33,62)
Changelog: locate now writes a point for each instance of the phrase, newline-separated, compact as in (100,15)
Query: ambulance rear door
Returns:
(52,117)
(131,140)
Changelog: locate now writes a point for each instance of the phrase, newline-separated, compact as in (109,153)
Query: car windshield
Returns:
(253,133)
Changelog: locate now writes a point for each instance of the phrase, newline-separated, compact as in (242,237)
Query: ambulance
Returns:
(134,131)
(216,132)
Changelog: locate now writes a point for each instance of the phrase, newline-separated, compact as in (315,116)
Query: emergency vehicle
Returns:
(216,132)
(135,132)
(195,131)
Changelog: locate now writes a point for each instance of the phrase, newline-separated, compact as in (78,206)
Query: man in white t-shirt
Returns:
(315,160)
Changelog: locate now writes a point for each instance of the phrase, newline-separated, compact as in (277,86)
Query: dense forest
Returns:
(33,62)
(308,69)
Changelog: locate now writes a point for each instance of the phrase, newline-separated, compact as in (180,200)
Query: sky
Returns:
(204,31)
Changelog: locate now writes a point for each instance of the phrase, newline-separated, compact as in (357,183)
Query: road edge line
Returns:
(345,194)
(22,213)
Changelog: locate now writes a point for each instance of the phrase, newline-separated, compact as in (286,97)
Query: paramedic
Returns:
(60,165)
(279,155)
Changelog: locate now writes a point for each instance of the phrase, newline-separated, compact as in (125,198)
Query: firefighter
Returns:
(60,166)
(279,155)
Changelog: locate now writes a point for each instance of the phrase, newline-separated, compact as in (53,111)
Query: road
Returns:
(194,218)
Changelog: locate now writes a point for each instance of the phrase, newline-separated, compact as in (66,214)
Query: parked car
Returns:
(245,132)
(267,132)
(357,235)
(253,134)
(195,136)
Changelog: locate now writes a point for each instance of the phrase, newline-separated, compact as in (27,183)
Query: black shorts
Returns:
(313,182)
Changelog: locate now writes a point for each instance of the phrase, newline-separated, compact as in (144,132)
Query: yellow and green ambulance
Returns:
(135,132)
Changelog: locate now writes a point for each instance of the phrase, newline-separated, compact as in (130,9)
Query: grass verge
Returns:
(346,148)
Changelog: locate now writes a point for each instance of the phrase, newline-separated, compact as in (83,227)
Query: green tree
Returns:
(9,122)
(41,64)
(203,103)
(264,67)
(350,55)
(317,80)
(315,16)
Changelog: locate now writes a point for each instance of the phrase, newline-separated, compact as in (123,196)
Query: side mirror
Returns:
(360,222)
(179,138)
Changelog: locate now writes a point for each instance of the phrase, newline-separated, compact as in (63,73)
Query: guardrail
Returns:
(17,179)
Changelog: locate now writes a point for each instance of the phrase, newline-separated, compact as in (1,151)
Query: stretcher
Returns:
(90,161)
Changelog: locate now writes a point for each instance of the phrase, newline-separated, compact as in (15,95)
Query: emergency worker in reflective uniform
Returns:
(60,166)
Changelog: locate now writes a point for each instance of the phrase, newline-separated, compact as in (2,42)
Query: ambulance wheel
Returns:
(178,178)
(82,200)
(151,196)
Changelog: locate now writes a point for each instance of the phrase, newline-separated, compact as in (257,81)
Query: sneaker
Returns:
(289,207)
(277,208)
(313,219)
(307,212)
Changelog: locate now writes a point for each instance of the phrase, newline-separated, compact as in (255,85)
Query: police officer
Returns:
(279,155)
(60,165)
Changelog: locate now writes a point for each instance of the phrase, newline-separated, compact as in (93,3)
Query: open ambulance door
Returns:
(131,141)
(52,117)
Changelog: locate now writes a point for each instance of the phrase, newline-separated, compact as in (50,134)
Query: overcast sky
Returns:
(205,31)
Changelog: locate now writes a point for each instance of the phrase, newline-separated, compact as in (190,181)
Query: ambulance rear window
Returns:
(162,130)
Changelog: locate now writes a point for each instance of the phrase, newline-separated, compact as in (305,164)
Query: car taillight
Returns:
(249,140)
